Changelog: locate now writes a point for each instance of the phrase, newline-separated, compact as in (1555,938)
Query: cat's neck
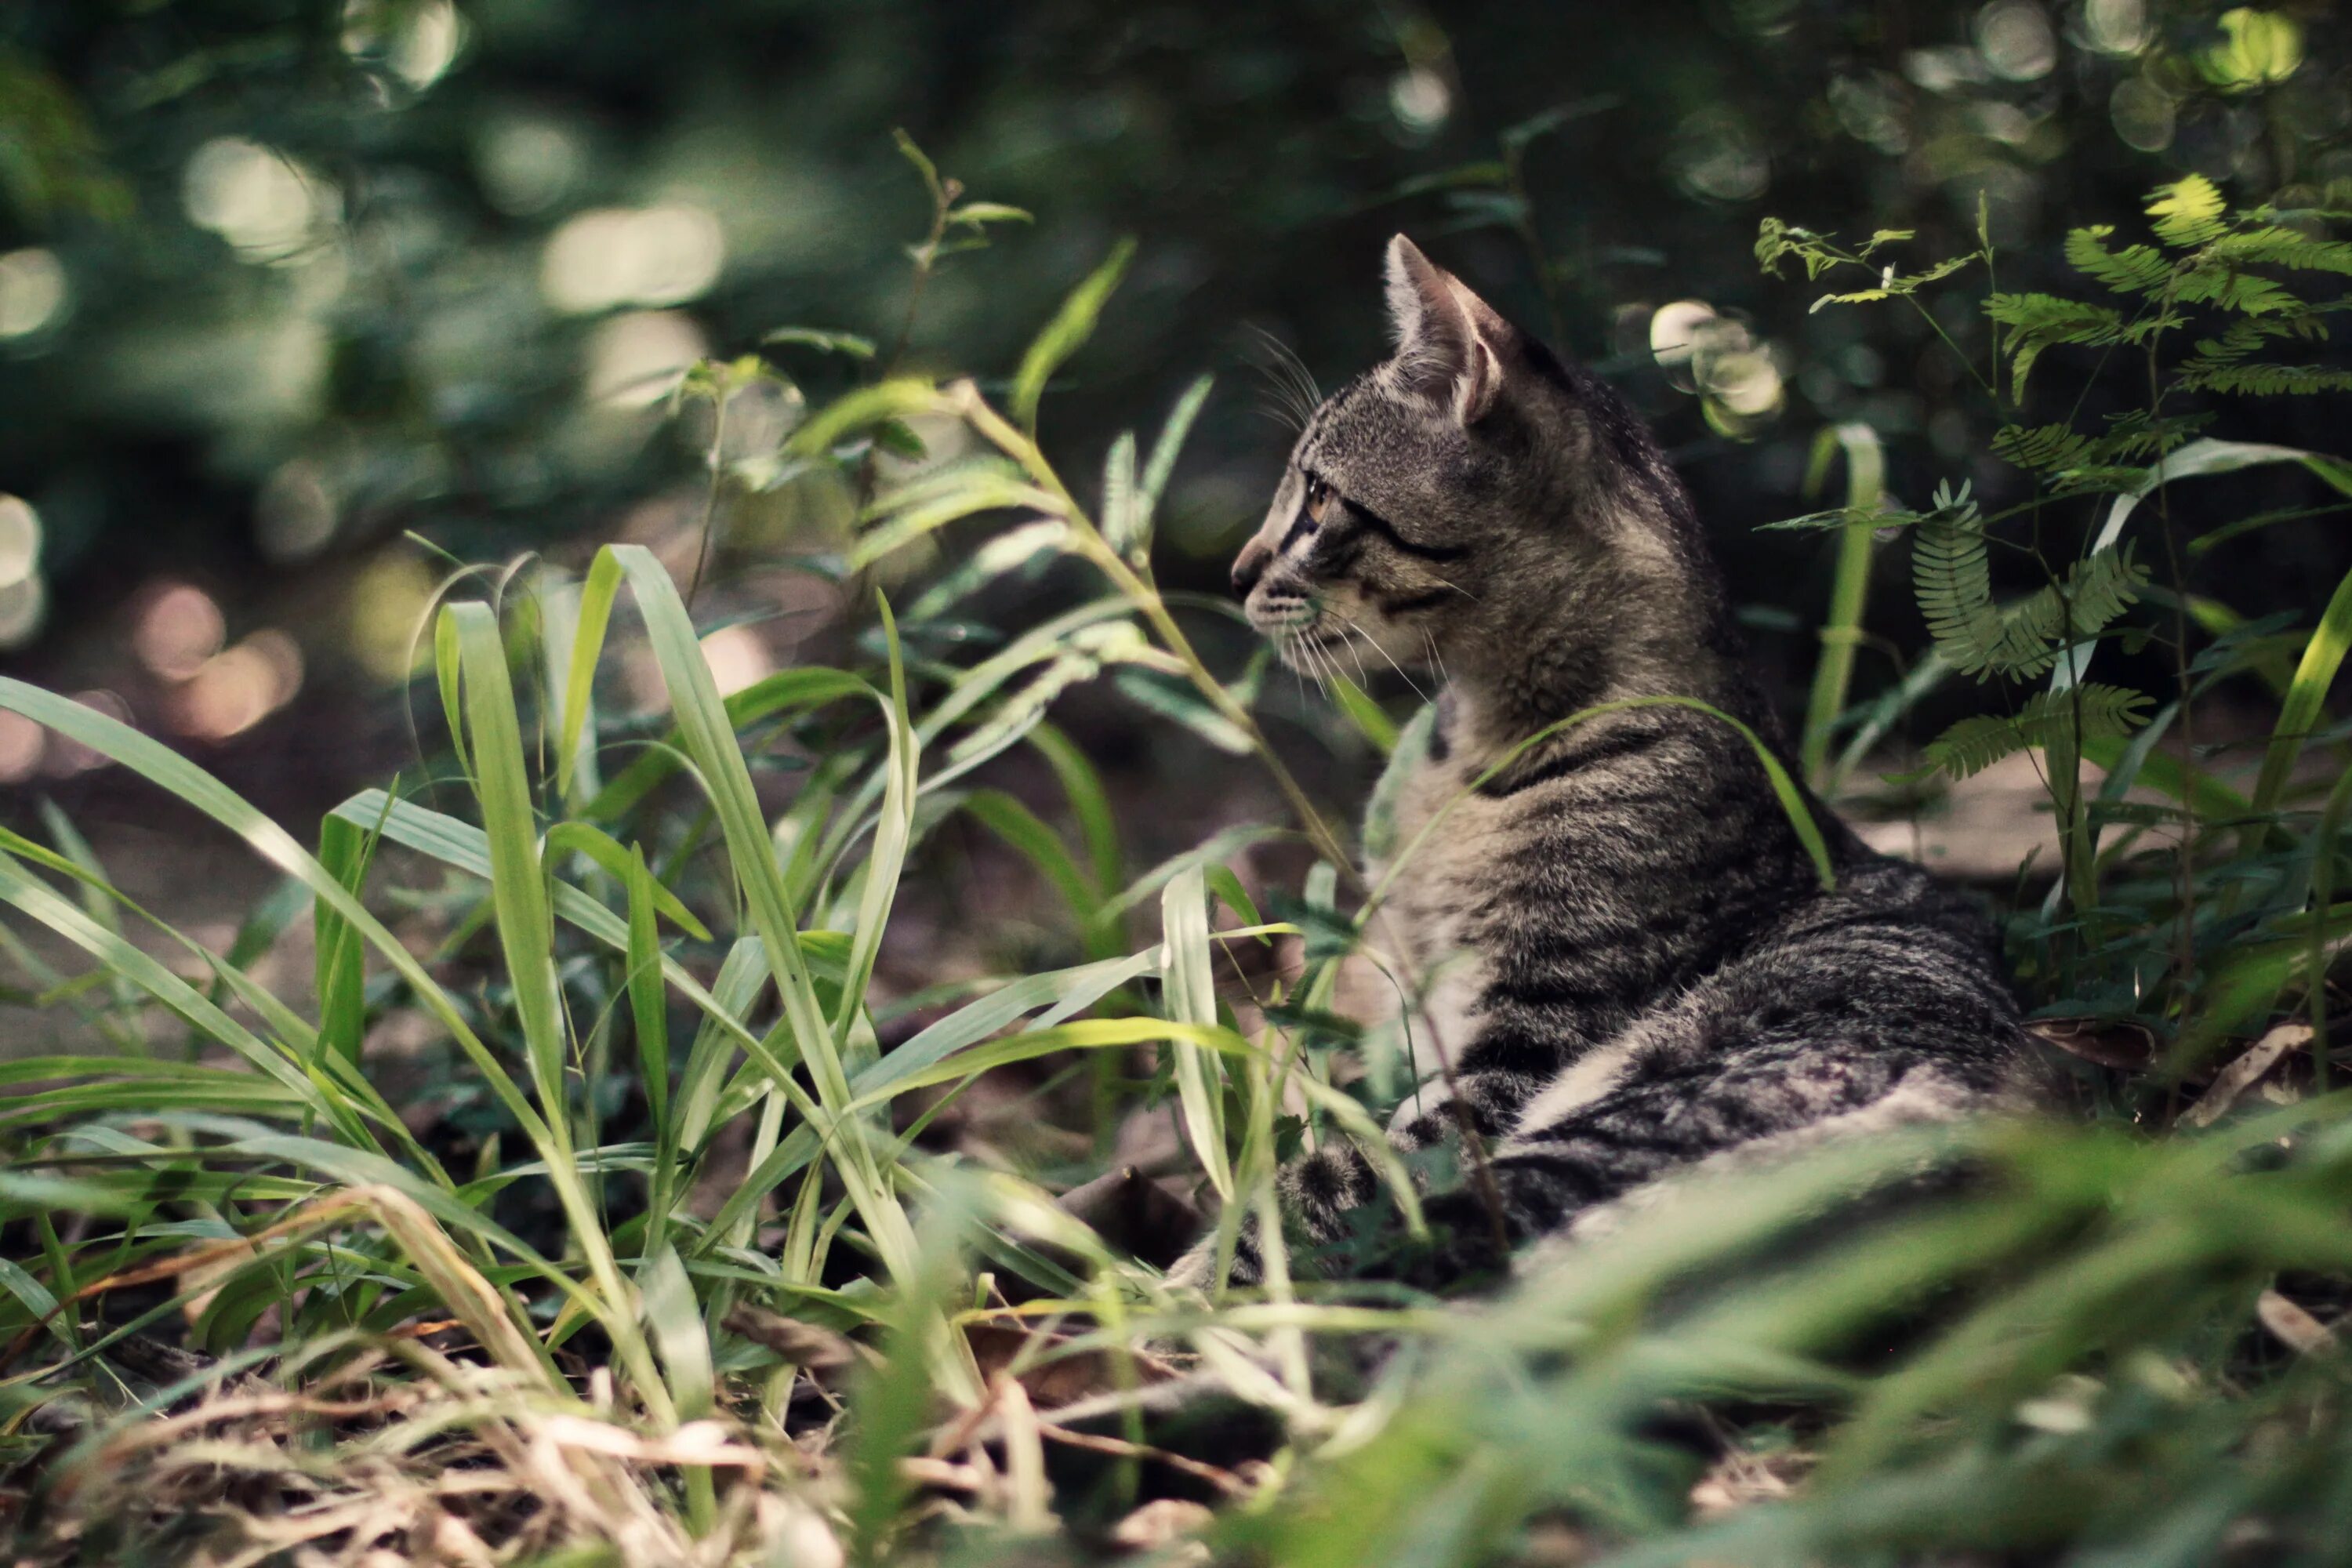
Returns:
(1550,663)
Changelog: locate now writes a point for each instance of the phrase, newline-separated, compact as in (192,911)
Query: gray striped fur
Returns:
(1629,961)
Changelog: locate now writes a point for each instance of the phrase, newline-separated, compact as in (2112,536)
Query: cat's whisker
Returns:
(1289,385)
(1324,669)
(1436,660)
(1457,588)
(1384,653)
(1354,631)
(1282,411)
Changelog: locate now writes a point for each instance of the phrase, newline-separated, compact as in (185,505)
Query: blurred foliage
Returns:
(280,281)
(569,1218)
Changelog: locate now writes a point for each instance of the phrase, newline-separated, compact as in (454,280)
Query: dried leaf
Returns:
(2240,1075)
(1161,1523)
(2127,1048)
(2292,1326)
(804,1345)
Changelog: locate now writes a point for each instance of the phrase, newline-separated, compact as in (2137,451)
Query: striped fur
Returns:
(1629,965)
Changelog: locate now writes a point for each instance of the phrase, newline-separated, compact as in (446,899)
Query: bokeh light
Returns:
(178,629)
(1674,331)
(20,540)
(624,256)
(1739,379)
(2143,114)
(416,40)
(2258,49)
(239,687)
(634,361)
(1420,100)
(1717,157)
(388,602)
(24,605)
(527,164)
(294,514)
(2016,40)
(1871,109)
(31,292)
(21,743)
(257,199)
(23,595)
(2117,27)
(736,658)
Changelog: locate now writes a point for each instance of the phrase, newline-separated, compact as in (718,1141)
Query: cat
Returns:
(1630,963)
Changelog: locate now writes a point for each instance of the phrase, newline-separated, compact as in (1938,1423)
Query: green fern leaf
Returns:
(2234,290)
(2267,380)
(2040,448)
(1972,745)
(2100,587)
(2035,628)
(2284,247)
(2188,211)
(1910,282)
(1953,584)
(2136,435)
(2037,322)
(2135,270)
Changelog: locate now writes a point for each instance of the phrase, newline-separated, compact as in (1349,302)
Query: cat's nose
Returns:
(1249,567)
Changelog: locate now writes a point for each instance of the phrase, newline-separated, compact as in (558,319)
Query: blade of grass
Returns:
(2299,714)
(1850,591)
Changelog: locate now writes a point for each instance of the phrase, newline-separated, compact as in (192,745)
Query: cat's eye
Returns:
(1320,497)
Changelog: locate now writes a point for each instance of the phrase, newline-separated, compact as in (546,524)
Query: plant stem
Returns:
(717,460)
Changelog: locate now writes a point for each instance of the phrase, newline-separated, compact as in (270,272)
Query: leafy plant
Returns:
(2237,288)
(661,1266)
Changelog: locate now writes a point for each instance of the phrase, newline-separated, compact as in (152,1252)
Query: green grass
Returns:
(249,1308)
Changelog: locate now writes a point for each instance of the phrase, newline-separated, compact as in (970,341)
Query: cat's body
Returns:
(1626,958)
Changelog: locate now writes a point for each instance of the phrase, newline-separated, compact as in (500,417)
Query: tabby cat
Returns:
(1631,965)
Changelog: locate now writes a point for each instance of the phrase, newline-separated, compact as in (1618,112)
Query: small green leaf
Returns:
(2188,211)
(1072,325)
(848,343)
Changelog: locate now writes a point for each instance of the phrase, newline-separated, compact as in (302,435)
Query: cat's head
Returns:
(1467,488)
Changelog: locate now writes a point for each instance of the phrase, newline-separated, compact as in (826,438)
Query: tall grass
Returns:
(252,1313)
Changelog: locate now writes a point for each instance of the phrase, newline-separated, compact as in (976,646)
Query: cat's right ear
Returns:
(1446,337)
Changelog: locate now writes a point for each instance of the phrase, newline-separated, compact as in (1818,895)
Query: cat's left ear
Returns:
(1448,340)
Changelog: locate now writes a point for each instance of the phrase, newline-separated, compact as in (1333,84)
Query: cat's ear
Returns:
(1448,340)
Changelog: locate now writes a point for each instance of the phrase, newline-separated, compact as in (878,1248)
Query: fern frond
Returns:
(2100,587)
(2135,270)
(1953,582)
(2054,319)
(1972,745)
(2136,435)
(1909,282)
(2237,341)
(2040,448)
(2037,322)
(2265,380)
(2035,629)
(2188,211)
(2284,247)
(2234,290)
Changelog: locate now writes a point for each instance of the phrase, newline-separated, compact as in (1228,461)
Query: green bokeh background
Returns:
(262,399)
